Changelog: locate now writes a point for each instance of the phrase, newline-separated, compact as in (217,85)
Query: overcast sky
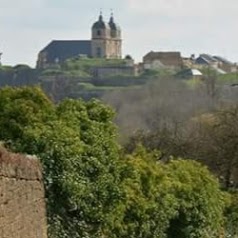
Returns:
(189,26)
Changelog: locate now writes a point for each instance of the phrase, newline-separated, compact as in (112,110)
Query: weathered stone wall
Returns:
(22,205)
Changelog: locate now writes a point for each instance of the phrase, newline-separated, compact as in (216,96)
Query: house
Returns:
(159,60)
(188,62)
(226,65)
(206,60)
(218,63)
(189,74)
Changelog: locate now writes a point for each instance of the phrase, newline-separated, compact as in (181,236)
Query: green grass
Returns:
(228,78)
(85,65)
(85,86)
(91,87)
(6,68)
(193,83)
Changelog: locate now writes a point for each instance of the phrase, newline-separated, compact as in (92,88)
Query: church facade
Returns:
(105,42)
(106,39)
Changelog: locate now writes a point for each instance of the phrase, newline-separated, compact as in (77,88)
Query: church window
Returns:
(99,33)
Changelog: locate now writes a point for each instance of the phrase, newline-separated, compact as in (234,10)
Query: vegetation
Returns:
(162,73)
(93,189)
(228,78)
(90,62)
(65,72)
(5,68)
(85,65)
(210,139)
(231,214)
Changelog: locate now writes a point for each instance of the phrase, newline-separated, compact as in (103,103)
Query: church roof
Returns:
(189,73)
(63,49)
(113,25)
(100,24)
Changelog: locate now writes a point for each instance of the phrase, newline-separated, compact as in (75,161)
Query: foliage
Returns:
(20,107)
(223,137)
(211,138)
(148,202)
(93,189)
(160,73)
(22,67)
(200,202)
(231,215)
(80,67)
(178,199)
(210,77)
(76,144)
(6,68)
(228,78)
(194,83)
(52,72)
(16,68)
(86,64)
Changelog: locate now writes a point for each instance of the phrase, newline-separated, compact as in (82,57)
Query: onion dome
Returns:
(113,25)
(100,24)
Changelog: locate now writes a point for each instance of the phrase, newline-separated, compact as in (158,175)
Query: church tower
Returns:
(115,41)
(106,39)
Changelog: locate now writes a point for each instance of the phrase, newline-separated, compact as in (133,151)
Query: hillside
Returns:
(93,78)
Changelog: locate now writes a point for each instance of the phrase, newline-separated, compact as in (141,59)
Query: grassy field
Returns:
(228,78)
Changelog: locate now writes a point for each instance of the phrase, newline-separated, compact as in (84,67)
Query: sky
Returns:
(188,26)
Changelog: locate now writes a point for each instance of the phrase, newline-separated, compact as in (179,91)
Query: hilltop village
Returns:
(106,43)
(89,68)
(155,157)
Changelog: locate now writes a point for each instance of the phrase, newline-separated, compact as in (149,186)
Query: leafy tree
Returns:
(211,139)
(19,109)
(148,203)
(223,137)
(76,143)
(231,215)
(177,199)
(93,189)
(200,202)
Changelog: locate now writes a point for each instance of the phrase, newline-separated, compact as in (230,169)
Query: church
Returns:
(105,43)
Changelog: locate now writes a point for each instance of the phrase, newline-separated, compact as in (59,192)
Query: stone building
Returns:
(106,39)
(105,42)
(218,63)
(159,60)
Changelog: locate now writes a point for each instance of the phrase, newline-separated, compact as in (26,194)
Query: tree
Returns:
(200,201)
(231,216)
(95,190)
(223,150)
(210,78)
(76,143)
(177,199)
(148,202)
(21,107)
(215,143)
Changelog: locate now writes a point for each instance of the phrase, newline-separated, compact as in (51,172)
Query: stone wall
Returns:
(112,71)
(22,203)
